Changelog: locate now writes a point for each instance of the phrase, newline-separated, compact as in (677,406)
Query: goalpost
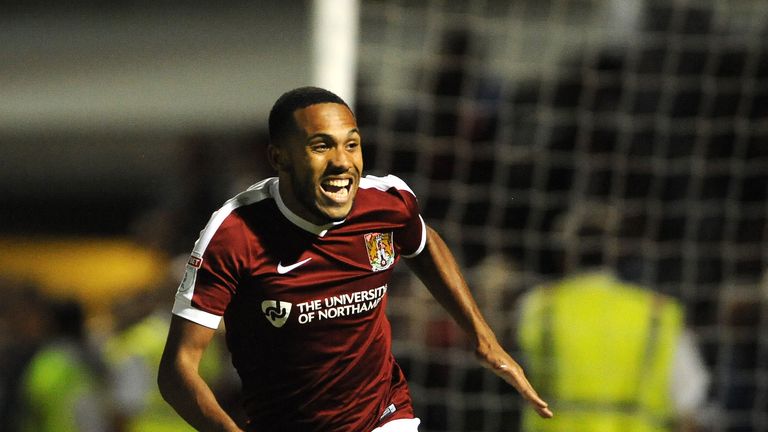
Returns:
(509,117)
(334,46)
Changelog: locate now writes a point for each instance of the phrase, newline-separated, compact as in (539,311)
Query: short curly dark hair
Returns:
(281,121)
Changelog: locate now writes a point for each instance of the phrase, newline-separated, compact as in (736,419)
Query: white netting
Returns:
(509,118)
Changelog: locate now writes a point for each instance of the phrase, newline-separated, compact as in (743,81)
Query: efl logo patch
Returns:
(190,274)
(276,311)
(381,252)
(195,262)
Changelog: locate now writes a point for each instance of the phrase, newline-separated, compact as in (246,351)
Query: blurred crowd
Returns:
(58,373)
(66,367)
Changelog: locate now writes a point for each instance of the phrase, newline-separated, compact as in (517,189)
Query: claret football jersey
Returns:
(304,305)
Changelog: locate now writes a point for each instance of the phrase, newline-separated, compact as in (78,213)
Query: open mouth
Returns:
(337,189)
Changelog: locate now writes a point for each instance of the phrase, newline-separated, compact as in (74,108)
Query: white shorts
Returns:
(400,425)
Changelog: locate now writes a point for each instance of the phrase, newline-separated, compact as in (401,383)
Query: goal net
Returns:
(513,119)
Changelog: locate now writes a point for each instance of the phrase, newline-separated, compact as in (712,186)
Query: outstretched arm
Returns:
(438,270)
(180,383)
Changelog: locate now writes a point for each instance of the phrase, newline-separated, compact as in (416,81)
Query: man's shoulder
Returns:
(386,200)
(257,193)
(385,193)
(242,207)
(384,183)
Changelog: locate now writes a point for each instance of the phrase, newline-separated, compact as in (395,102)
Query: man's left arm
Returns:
(438,270)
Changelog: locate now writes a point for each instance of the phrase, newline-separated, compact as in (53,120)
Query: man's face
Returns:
(323,163)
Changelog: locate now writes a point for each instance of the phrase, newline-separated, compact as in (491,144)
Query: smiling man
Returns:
(298,266)
(322,161)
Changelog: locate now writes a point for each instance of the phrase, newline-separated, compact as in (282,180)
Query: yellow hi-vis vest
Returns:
(600,351)
(60,392)
(145,341)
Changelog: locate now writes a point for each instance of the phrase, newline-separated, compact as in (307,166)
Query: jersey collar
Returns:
(318,230)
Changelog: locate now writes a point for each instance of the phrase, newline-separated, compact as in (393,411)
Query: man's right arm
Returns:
(180,382)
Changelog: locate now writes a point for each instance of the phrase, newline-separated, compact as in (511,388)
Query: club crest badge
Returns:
(381,251)
(276,311)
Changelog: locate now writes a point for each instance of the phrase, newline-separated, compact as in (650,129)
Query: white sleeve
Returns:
(690,377)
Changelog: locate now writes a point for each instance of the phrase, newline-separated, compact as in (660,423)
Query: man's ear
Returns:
(275,157)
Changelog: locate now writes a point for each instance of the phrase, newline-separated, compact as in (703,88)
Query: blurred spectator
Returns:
(133,357)
(496,281)
(23,327)
(743,309)
(62,387)
(205,172)
(194,186)
(455,118)
(245,161)
(609,354)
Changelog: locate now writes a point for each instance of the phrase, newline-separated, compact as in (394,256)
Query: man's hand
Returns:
(494,357)
(438,270)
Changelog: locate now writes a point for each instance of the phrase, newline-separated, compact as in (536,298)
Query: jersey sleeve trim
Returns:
(253,194)
(183,308)
(384,183)
(423,241)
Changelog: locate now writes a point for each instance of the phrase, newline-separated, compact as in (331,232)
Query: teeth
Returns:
(336,189)
(337,183)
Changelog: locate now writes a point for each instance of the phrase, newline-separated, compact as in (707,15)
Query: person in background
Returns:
(610,354)
(24,318)
(62,387)
(741,320)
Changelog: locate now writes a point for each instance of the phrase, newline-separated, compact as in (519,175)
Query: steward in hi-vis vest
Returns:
(601,351)
(133,356)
